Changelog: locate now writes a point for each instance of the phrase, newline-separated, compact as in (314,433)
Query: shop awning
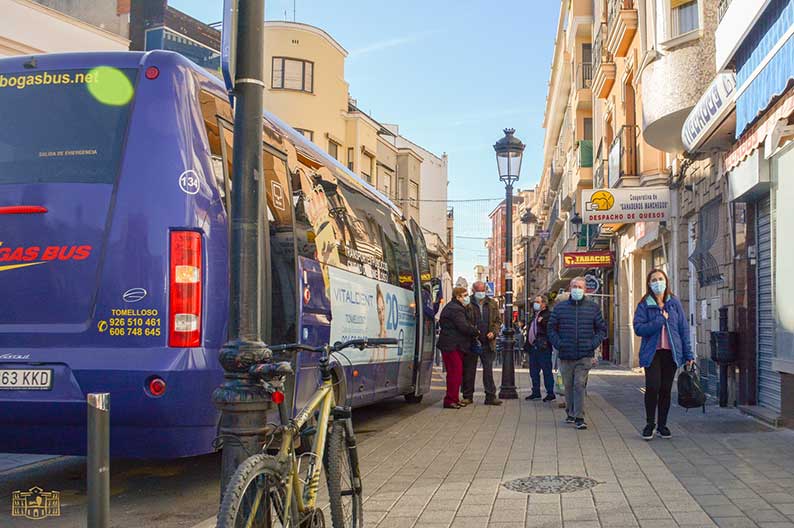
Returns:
(764,63)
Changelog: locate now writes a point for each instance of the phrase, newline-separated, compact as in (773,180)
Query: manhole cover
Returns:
(550,484)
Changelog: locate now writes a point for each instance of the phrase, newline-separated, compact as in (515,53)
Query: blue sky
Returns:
(451,73)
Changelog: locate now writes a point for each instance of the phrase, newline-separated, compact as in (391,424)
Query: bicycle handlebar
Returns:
(353,343)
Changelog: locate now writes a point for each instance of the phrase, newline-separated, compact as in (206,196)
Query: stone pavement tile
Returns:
(652,514)
(543,521)
(377,506)
(617,519)
(443,504)
(787,509)
(766,515)
(473,498)
(543,509)
(714,500)
(776,525)
(691,518)
(469,522)
(544,498)
(475,510)
(658,523)
(723,510)
(734,522)
(779,498)
(582,524)
(507,516)
(397,522)
(580,514)
(437,516)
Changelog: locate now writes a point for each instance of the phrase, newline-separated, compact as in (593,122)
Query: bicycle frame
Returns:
(306,498)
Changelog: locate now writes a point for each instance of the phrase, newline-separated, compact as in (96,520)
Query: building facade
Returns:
(28,27)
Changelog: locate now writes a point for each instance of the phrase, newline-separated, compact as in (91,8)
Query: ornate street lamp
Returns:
(528,223)
(509,152)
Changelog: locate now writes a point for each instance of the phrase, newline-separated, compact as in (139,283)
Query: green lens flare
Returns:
(109,86)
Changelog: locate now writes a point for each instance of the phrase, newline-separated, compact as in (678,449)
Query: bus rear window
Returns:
(64,126)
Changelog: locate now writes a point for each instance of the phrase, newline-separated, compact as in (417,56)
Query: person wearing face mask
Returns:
(487,316)
(455,338)
(576,329)
(662,324)
(538,349)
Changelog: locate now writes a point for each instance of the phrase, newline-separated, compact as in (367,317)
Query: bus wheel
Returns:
(413,398)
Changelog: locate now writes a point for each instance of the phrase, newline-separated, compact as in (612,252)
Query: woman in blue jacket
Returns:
(662,324)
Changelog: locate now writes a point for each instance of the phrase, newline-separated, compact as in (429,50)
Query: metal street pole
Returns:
(244,405)
(98,463)
(507,390)
(526,283)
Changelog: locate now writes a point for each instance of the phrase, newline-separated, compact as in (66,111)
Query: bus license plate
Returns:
(26,379)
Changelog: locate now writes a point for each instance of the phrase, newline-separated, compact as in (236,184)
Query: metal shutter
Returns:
(768,378)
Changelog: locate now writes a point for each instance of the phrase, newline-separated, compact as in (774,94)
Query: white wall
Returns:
(26,27)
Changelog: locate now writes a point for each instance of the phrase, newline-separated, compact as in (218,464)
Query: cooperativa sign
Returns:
(623,206)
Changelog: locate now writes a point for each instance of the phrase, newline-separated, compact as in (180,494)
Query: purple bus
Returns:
(115,182)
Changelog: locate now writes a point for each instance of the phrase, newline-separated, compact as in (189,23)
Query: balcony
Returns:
(599,174)
(622,22)
(557,168)
(604,69)
(624,158)
(583,97)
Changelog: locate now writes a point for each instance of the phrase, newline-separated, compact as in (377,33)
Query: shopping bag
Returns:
(476,348)
(690,391)
(559,386)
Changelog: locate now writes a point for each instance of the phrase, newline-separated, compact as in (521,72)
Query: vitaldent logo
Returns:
(25,256)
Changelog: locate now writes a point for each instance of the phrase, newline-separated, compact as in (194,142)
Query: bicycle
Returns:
(267,490)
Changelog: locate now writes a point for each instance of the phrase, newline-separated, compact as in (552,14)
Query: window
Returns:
(218,118)
(684,15)
(366,170)
(659,258)
(413,193)
(308,134)
(587,53)
(87,150)
(293,74)
(350,158)
(588,128)
(333,149)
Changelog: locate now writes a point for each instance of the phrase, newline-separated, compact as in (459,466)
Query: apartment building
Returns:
(28,27)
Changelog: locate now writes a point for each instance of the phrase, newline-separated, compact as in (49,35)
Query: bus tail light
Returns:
(184,328)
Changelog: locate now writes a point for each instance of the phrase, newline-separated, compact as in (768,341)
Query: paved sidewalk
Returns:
(446,468)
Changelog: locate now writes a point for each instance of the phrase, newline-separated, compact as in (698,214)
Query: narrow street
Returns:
(426,466)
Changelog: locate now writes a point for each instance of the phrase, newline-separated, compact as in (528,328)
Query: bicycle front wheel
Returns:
(256,497)
(343,477)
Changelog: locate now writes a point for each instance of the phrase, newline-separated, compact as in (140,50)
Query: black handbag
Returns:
(690,390)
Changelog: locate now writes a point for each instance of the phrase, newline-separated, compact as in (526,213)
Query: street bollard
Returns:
(98,464)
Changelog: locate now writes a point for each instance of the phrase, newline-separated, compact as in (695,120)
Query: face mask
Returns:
(536,306)
(465,300)
(479,295)
(658,287)
(577,294)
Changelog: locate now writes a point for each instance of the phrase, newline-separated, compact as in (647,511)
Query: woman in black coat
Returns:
(455,337)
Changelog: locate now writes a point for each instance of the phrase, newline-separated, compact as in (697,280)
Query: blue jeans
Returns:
(540,360)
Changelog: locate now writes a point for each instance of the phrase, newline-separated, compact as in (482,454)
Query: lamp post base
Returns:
(508,393)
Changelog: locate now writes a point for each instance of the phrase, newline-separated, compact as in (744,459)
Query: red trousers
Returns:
(453,362)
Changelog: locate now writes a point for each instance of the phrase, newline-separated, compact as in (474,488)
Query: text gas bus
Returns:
(114,190)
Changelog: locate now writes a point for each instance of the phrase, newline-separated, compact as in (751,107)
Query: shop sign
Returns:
(623,206)
(588,259)
(709,110)
(592,284)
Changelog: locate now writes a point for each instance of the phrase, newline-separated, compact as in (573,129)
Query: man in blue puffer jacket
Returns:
(576,329)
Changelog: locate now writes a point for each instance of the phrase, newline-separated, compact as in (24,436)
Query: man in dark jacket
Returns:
(486,315)
(576,329)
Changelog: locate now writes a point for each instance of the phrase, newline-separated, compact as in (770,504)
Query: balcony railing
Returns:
(584,75)
(599,173)
(623,154)
(585,152)
(723,8)
(600,54)
(615,6)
